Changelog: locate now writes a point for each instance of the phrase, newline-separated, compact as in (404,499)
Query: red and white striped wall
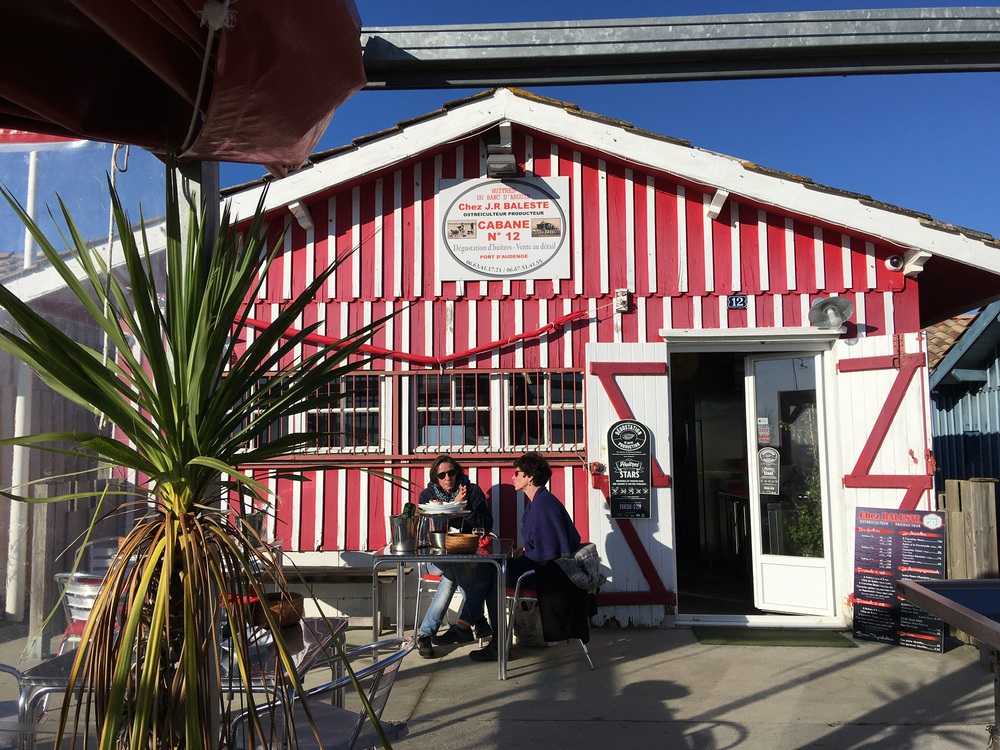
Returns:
(678,246)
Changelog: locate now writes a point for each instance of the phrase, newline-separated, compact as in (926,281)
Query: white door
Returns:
(789,515)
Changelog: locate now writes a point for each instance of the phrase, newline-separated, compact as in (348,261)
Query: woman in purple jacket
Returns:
(546,529)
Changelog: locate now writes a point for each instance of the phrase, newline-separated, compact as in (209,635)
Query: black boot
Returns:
(424,647)
(482,628)
(454,634)
(489,653)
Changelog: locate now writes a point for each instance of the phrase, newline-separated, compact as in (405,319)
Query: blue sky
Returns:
(925,142)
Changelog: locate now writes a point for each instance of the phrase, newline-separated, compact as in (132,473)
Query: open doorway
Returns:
(711,484)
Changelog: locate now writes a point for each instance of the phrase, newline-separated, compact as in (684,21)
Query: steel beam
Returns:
(689,48)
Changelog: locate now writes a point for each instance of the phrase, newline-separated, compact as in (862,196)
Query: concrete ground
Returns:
(663,689)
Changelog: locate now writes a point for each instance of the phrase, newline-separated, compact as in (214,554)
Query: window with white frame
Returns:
(471,411)
(451,412)
(544,411)
(352,421)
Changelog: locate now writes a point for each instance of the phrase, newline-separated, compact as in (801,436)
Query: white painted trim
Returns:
(397,235)
(819,251)
(715,207)
(602,222)
(378,271)
(762,260)
(708,243)
(302,214)
(629,230)
(790,265)
(739,339)
(651,239)
(356,242)
(682,248)
(287,261)
(735,248)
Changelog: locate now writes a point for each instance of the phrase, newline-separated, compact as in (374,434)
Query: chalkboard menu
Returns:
(629,469)
(890,545)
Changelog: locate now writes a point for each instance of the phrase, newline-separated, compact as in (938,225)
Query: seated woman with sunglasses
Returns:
(449,484)
(547,530)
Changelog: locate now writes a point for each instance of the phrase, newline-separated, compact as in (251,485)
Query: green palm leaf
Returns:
(182,420)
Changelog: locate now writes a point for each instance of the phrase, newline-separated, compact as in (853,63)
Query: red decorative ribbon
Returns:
(422,359)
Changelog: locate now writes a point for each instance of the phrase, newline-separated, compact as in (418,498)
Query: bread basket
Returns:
(461,544)
(286,610)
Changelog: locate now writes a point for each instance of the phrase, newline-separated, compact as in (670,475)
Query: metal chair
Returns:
(98,554)
(338,728)
(14,730)
(427,583)
(515,597)
(79,592)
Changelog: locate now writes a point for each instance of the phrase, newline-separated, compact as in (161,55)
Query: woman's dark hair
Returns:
(536,467)
(444,458)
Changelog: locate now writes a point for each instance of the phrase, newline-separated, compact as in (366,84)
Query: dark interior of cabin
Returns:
(711,484)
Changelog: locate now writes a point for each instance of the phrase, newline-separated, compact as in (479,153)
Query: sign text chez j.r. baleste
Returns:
(515,228)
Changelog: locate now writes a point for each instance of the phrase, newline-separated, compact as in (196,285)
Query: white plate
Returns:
(434,509)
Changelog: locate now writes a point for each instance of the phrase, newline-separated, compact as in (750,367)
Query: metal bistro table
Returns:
(308,640)
(497,555)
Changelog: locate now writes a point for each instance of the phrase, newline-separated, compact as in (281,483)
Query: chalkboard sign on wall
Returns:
(629,469)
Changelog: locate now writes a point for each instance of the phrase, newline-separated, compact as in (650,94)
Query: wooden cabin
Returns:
(721,362)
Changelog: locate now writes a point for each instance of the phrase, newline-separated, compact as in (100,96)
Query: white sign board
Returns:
(517,228)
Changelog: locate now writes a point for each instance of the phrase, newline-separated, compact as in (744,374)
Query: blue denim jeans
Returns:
(452,577)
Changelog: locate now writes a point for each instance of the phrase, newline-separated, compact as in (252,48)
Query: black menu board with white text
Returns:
(890,545)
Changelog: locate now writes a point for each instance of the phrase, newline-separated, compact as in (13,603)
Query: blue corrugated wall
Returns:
(966,428)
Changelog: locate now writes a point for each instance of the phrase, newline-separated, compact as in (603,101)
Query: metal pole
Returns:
(20,467)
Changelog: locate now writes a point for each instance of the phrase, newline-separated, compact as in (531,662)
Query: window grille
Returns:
(352,421)
(451,412)
(273,431)
(545,411)
(480,411)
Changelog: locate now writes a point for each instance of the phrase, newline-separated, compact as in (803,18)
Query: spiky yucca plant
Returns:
(183,419)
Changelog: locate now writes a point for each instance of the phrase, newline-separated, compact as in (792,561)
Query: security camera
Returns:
(894,262)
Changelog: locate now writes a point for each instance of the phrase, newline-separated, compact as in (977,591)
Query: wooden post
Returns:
(981,535)
(955,525)
(42,599)
(972,539)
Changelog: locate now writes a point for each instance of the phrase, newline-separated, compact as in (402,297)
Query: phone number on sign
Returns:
(630,505)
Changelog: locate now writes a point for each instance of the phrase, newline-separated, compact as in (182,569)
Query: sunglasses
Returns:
(451,473)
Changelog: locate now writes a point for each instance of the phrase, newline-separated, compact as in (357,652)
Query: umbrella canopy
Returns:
(154,73)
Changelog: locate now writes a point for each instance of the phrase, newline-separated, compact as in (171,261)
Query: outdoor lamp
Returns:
(830,312)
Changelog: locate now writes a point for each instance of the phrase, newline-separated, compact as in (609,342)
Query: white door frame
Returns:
(785,583)
(743,340)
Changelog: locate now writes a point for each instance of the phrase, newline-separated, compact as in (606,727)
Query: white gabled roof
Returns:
(616,138)
(43,281)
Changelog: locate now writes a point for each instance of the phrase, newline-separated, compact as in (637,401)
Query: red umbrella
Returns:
(261,89)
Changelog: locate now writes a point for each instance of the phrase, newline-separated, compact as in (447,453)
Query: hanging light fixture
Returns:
(830,312)
(500,161)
